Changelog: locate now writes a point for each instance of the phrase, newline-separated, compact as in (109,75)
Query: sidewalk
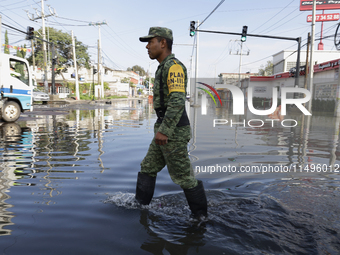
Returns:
(73,101)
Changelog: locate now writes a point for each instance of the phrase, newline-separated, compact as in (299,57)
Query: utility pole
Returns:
(75,66)
(42,17)
(53,90)
(0,29)
(0,43)
(99,58)
(44,46)
(33,57)
(149,78)
(311,64)
(307,60)
(100,79)
(196,67)
(189,78)
(240,64)
(239,69)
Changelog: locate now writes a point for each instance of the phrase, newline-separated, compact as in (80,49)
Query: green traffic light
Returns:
(192,33)
(243,39)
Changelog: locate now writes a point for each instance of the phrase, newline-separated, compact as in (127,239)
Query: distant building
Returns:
(325,82)
(118,80)
(233,78)
(285,60)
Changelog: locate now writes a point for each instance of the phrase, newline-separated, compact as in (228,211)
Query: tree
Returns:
(19,68)
(125,80)
(6,49)
(136,69)
(64,52)
(22,52)
(267,70)
(146,82)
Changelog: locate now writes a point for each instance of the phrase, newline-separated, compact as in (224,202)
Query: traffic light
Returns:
(95,71)
(30,33)
(192,28)
(244,34)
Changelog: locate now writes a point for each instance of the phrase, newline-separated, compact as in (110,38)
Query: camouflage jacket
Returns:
(175,80)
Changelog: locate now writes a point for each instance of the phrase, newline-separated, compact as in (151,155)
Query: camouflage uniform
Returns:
(173,123)
(174,154)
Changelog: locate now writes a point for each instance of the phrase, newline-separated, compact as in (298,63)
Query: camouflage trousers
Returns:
(174,155)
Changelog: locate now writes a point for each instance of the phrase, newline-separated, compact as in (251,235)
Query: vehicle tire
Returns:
(11,111)
(11,132)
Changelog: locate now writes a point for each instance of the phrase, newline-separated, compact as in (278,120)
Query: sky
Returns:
(128,20)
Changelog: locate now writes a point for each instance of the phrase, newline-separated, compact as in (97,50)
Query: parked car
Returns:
(40,96)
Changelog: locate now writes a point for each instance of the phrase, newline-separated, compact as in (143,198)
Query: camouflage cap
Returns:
(157,31)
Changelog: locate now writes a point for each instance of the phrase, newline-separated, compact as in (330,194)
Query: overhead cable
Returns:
(211,13)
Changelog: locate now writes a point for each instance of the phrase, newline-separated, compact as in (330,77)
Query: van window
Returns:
(19,70)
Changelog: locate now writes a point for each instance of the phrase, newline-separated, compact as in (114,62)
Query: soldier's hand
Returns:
(161,139)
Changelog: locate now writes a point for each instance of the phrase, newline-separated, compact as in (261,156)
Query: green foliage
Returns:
(19,68)
(125,80)
(64,52)
(146,82)
(83,87)
(114,97)
(267,70)
(6,50)
(319,105)
(137,68)
(21,53)
(106,86)
(86,97)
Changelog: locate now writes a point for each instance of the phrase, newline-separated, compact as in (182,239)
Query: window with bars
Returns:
(63,90)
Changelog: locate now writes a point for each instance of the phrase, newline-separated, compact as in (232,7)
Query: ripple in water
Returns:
(252,224)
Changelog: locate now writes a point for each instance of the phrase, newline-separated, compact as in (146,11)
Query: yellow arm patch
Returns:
(176,79)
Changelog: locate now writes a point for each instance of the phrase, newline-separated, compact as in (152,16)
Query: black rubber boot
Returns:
(197,200)
(145,188)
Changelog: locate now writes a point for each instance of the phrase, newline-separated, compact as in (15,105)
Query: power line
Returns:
(273,16)
(75,20)
(119,67)
(300,13)
(295,45)
(221,57)
(211,13)
(254,9)
(13,3)
(11,19)
(123,45)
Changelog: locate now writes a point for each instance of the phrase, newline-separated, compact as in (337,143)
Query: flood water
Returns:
(68,177)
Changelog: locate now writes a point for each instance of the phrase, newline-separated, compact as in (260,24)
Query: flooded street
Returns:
(68,178)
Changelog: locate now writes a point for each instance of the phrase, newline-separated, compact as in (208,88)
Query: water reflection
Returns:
(188,236)
(15,147)
(59,162)
(49,143)
(298,141)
